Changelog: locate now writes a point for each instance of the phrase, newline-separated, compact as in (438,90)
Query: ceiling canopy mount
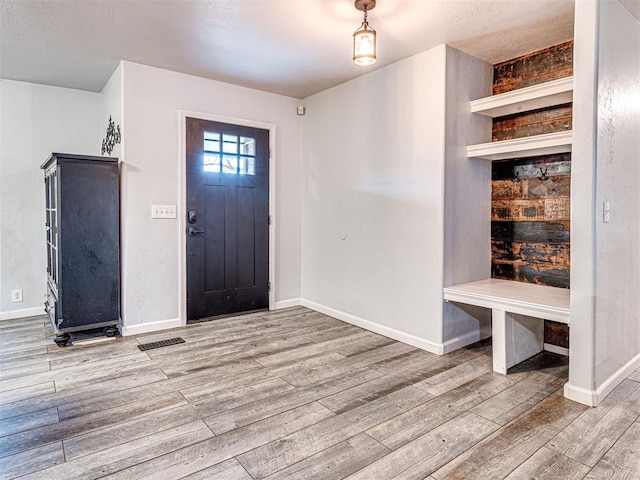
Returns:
(368,4)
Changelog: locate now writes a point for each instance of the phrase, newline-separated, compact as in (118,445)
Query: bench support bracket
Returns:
(515,338)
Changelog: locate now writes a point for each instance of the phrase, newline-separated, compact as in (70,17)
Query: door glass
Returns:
(229,154)
(211,142)
(211,162)
(230,164)
(230,143)
(247,166)
(247,146)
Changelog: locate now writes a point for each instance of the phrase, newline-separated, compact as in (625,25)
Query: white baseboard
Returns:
(593,397)
(556,349)
(459,342)
(616,379)
(128,330)
(22,313)
(580,395)
(376,327)
(293,302)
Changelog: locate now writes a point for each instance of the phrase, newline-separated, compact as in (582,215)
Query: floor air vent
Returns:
(161,343)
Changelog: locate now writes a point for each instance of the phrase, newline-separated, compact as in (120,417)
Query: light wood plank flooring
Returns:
(295,394)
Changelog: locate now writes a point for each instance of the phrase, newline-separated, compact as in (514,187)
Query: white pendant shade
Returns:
(364,45)
(364,38)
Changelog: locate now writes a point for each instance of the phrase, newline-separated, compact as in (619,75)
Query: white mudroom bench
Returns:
(518,311)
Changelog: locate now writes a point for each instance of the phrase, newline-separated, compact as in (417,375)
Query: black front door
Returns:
(227,218)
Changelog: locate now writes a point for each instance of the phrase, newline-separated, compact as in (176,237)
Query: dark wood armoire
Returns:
(83,244)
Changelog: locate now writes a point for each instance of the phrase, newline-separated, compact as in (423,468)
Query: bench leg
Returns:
(515,338)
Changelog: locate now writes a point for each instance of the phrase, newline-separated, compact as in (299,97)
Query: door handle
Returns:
(193,230)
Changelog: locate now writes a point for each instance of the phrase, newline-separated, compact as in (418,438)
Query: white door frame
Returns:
(182,200)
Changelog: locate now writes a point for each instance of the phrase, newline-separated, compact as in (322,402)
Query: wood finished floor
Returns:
(295,394)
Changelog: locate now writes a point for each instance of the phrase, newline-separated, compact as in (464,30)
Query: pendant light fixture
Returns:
(364,38)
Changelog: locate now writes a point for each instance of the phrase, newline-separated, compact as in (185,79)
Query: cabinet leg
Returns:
(111,331)
(62,340)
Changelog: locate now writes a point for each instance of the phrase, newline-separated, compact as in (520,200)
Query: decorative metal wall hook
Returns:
(516,177)
(543,174)
(113,137)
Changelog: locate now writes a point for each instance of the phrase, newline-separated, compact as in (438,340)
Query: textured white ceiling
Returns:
(291,47)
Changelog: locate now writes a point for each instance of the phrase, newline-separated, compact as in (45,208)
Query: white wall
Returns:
(583,213)
(35,120)
(467,207)
(373,200)
(111,106)
(152,99)
(617,323)
(605,264)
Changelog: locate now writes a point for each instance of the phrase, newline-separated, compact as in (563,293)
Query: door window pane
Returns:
(211,142)
(247,166)
(230,164)
(212,162)
(247,146)
(229,154)
(229,144)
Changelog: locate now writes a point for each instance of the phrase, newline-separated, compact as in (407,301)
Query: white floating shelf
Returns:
(547,144)
(555,92)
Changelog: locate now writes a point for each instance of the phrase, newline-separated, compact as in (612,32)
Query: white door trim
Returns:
(182,200)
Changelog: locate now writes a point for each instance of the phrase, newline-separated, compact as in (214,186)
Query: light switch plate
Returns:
(163,211)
